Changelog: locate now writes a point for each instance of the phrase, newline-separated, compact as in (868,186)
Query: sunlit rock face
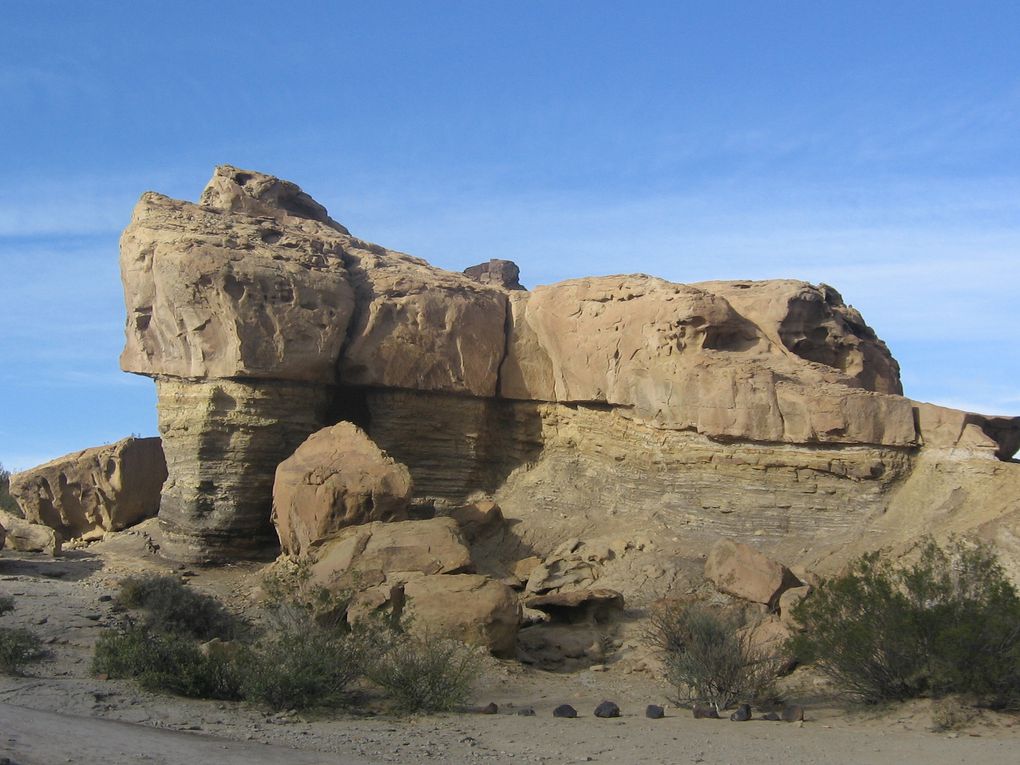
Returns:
(761,410)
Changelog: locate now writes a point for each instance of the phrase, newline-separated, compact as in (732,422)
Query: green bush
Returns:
(170,662)
(420,674)
(18,646)
(949,623)
(173,607)
(710,655)
(296,669)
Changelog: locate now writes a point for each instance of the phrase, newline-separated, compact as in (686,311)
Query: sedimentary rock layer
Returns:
(749,408)
(223,440)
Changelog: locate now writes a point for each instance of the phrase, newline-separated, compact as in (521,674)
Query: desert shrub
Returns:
(296,669)
(710,655)
(949,623)
(419,674)
(173,607)
(18,646)
(170,662)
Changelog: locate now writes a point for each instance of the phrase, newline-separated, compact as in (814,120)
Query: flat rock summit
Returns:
(521,453)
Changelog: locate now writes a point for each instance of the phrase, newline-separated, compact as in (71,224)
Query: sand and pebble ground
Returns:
(61,713)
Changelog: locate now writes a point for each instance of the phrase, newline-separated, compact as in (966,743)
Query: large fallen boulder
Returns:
(105,488)
(337,478)
(743,571)
(25,536)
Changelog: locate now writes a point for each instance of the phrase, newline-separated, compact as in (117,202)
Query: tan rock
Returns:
(223,440)
(967,432)
(522,569)
(682,357)
(338,477)
(217,295)
(593,606)
(477,519)
(105,488)
(363,556)
(468,607)
(767,636)
(420,327)
(741,570)
(561,573)
(815,324)
(501,273)
(788,601)
(25,536)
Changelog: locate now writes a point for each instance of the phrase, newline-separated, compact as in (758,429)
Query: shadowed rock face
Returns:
(262,320)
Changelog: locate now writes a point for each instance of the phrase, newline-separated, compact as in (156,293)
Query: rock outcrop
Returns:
(752,410)
(338,477)
(741,570)
(502,273)
(105,488)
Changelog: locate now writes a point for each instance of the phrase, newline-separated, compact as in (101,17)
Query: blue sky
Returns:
(872,146)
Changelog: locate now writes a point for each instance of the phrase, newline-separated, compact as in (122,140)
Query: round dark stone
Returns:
(654,712)
(743,713)
(565,710)
(607,709)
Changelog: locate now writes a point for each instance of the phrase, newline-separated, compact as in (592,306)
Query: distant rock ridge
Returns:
(263,320)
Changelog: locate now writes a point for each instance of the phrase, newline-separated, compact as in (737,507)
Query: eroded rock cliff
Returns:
(767,411)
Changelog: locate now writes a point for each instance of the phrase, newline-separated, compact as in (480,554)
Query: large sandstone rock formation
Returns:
(764,411)
(105,488)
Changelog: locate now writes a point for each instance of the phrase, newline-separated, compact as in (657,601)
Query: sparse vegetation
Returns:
(18,647)
(168,661)
(308,655)
(949,623)
(711,656)
(420,674)
(171,606)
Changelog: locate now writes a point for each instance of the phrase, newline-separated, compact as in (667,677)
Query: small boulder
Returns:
(654,712)
(502,273)
(561,573)
(478,518)
(704,712)
(471,608)
(525,712)
(793,713)
(607,709)
(743,571)
(565,710)
(743,713)
(337,478)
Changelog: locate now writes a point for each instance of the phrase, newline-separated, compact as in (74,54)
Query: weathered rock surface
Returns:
(468,607)
(753,410)
(338,477)
(579,606)
(106,488)
(223,440)
(373,553)
(25,536)
(741,570)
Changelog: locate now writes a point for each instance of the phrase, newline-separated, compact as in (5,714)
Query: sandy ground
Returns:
(60,713)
